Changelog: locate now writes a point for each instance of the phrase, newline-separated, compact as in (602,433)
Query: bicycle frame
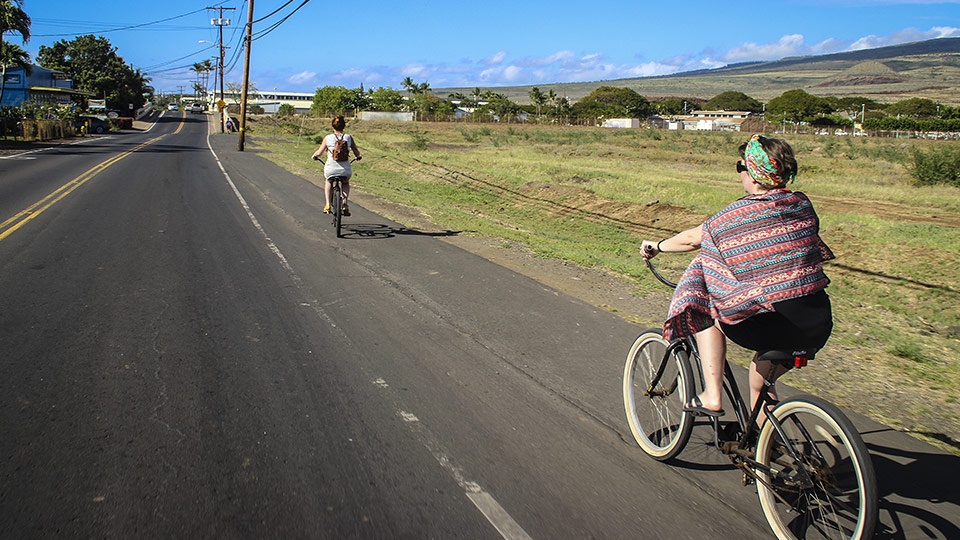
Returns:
(739,451)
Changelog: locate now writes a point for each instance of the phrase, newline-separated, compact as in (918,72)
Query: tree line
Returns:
(97,70)
(796,107)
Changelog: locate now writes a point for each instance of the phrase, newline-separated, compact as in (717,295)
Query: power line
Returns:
(122,28)
(272,13)
(263,33)
(154,67)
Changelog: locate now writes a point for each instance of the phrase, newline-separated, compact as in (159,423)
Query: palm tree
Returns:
(538,98)
(414,87)
(12,19)
(201,69)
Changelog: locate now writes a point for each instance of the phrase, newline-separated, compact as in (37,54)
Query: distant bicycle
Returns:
(337,199)
(813,473)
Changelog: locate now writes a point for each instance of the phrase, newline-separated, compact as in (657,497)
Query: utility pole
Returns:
(248,39)
(220,22)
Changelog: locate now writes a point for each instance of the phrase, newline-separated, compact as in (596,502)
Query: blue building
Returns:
(41,85)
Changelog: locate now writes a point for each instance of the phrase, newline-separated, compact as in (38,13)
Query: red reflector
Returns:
(799,361)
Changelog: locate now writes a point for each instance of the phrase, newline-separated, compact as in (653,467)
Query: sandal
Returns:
(696,407)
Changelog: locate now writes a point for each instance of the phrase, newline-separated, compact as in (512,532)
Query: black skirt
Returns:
(801,323)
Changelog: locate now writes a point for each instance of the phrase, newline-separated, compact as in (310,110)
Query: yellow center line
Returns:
(12,224)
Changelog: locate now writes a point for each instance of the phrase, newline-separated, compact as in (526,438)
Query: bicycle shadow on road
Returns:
(377,231)
(918,490)
(918,493)
(700,454)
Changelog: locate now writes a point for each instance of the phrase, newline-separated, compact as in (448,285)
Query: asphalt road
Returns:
(187,351)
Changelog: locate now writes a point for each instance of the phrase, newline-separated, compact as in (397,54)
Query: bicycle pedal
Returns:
(748,480)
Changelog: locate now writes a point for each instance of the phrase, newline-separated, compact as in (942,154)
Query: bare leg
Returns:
(759,369)
(326,193)
(345,188)
(712,345)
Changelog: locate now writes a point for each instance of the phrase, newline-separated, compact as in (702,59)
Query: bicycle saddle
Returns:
(793,358)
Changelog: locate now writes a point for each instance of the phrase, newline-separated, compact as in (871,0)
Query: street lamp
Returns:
(220,75)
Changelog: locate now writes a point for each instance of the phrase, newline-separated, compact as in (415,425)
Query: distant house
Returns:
(40,85)
(621,123)
(386,116)
(714,120)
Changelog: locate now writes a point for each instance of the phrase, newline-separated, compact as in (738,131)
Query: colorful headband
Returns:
(762,168)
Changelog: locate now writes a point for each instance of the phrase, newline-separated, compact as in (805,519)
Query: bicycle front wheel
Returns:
(655,387)
(830,489)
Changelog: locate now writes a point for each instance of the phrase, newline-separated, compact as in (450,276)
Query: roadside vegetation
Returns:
(589,195)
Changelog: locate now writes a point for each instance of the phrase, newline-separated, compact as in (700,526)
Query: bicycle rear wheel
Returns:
(655,407)
(831,490)
(336,206)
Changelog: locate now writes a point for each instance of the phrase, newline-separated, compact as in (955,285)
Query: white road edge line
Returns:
(21,154)
(273,247)
(488,506)
(253,219)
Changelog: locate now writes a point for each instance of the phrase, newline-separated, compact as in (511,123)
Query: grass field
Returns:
(590,196)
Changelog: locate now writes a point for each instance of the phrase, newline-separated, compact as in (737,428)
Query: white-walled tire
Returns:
(841,501)
(656,415)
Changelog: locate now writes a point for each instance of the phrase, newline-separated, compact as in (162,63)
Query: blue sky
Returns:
(483,44)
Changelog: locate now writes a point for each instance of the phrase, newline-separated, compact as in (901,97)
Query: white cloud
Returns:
(303,77)
(907,35)
(827,46)
(419,70)
(512,73)
(790,45)
(495,59)
(794,45)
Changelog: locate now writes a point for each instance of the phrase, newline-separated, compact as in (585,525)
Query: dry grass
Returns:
(589,196)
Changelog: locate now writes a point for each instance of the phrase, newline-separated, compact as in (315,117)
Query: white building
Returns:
(714,120)
(621,123)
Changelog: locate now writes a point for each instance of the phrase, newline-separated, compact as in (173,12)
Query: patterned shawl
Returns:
(759,250)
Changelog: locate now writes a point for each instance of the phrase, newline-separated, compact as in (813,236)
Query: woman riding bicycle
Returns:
(332,167)
(758,278)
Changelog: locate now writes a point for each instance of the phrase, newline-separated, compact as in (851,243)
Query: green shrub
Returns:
(938,166)
(419,140)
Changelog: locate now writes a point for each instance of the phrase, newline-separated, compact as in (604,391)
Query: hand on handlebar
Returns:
(649,250)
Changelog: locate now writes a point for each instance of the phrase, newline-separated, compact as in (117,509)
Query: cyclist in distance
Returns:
(332,167)
(758,278)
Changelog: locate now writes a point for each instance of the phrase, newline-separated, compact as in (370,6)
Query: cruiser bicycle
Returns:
(811,468)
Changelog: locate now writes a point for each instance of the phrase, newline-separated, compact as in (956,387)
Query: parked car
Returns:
(173,107)
(92,124)
(196,108)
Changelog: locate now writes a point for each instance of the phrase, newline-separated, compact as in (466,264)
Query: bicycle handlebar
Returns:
(317,158)
(657,274)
